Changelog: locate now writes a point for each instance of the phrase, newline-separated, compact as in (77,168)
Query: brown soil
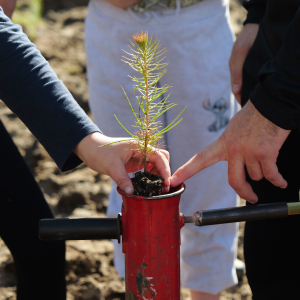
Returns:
(146,184)
(82,192)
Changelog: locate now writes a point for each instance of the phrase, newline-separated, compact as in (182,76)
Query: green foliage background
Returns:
(28,14)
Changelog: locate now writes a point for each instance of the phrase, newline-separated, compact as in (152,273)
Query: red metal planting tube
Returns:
(151,243)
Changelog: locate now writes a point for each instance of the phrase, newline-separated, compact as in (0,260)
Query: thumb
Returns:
(236,83)
(120,176)
(207,157)
(236,70)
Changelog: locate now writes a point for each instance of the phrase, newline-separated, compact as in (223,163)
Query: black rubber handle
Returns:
(80,229)
(239,214)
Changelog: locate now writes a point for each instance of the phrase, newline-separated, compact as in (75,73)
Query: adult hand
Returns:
(249,140)
(239,53)
(123,3)
(118,159)
(8,6)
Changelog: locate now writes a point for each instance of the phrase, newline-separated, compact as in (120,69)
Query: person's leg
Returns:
(200,79)
(271,246)
(107,32)
(40,265)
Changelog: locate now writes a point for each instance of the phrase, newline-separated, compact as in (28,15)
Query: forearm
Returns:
(278,93)
(8,6)
(30,88)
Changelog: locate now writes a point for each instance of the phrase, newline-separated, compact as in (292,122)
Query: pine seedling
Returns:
(146,57)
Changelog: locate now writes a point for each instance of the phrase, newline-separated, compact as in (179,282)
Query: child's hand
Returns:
(118,159)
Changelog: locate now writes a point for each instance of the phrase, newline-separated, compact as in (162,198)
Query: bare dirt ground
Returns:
(80,193)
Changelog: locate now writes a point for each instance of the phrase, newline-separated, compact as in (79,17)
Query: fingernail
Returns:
(235,88)
(253,201)
(128,190)
(284,186)
(174,181)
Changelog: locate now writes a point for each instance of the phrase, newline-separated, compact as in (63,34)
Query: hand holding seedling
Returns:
(118,159)
(249,140)
(145,57)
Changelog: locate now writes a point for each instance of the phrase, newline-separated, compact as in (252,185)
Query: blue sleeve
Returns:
(31,89)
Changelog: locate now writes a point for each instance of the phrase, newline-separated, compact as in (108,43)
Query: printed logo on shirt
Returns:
(218,108)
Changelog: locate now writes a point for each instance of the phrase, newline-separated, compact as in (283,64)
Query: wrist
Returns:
(272,108)
(251,25)
(8,12)
(248,35)
(89,145)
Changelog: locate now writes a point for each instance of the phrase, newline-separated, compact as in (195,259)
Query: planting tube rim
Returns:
(180,190)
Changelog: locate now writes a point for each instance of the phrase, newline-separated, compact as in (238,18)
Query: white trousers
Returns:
(198,40)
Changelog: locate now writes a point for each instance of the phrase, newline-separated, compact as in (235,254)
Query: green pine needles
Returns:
(146,58)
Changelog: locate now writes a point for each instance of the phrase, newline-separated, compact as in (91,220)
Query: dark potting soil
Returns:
(147,184)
